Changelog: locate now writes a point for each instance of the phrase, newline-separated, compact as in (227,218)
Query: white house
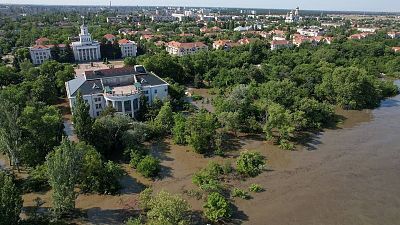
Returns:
(279,44)
(120,88)
(86,49)
(181,49)
(40,53)
(128,48)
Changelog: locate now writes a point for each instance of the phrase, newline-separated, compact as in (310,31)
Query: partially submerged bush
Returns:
(217,208)
(255,188)
(237,192)
(250,163)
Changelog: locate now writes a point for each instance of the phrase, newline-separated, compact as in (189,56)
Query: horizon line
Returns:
(226,7)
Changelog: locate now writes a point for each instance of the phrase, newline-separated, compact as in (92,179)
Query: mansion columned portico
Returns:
(120,88)
(86,49)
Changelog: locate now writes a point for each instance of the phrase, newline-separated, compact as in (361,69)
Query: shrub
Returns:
(196,97)
(134,221)
(207,178)
(237,192)
(149,166)
(255,188)
(250,163)
(144,198)
(217,208)
(167,209)
(136,157)
(37,180)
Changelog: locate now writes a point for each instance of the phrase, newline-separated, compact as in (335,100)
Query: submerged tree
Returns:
(10,201)
(64,165)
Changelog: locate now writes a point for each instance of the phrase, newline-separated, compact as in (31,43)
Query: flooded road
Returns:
(350,175)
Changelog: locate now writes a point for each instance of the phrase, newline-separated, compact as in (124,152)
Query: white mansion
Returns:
(86,49)
(120,88)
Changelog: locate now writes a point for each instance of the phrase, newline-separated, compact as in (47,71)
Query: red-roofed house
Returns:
(224,44)
(396,49)
(181,49)
(42,41)
(246,41)
(359,36)
(128,48)
(279,44)
(109,37)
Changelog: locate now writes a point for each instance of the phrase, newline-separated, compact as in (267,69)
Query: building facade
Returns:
(120,88)
(181,49)
(40,53)
(128,48)
(86,49)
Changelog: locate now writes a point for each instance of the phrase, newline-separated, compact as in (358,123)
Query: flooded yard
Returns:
(347,175)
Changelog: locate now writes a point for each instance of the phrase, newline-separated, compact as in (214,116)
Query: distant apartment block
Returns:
(311,31)
(181,49)
(120,88)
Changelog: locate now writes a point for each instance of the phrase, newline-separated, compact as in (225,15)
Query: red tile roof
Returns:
(280,42)
(109,36)
(41,41)
(176,44)
(124,41)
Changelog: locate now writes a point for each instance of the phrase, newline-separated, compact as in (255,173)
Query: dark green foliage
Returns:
(217,208)
(37,180)
(112,127)
(63,166)
(98,176)
(42,129)
(179,131)
(82,121)
(208,179)
(201,129)
(149,166)
(250,163)
(10,200)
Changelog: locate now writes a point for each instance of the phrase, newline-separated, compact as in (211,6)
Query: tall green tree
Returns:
(42,130)
(201,130)
(63,166)
(10,200)
(164,120)
(83,123)
(10,131)
(179,131)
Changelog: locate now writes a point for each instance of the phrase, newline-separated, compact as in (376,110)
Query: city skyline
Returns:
(339,5)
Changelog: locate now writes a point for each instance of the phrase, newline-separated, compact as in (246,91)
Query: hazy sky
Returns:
(359,5)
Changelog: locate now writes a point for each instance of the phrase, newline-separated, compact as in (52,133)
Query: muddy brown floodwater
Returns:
(347,175)
(350,175)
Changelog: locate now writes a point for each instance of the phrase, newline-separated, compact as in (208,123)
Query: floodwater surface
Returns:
(350,175)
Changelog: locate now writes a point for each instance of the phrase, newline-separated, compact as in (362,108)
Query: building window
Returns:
(98,113)
(118,106)
(155,91)
(98,106)
(128,106)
